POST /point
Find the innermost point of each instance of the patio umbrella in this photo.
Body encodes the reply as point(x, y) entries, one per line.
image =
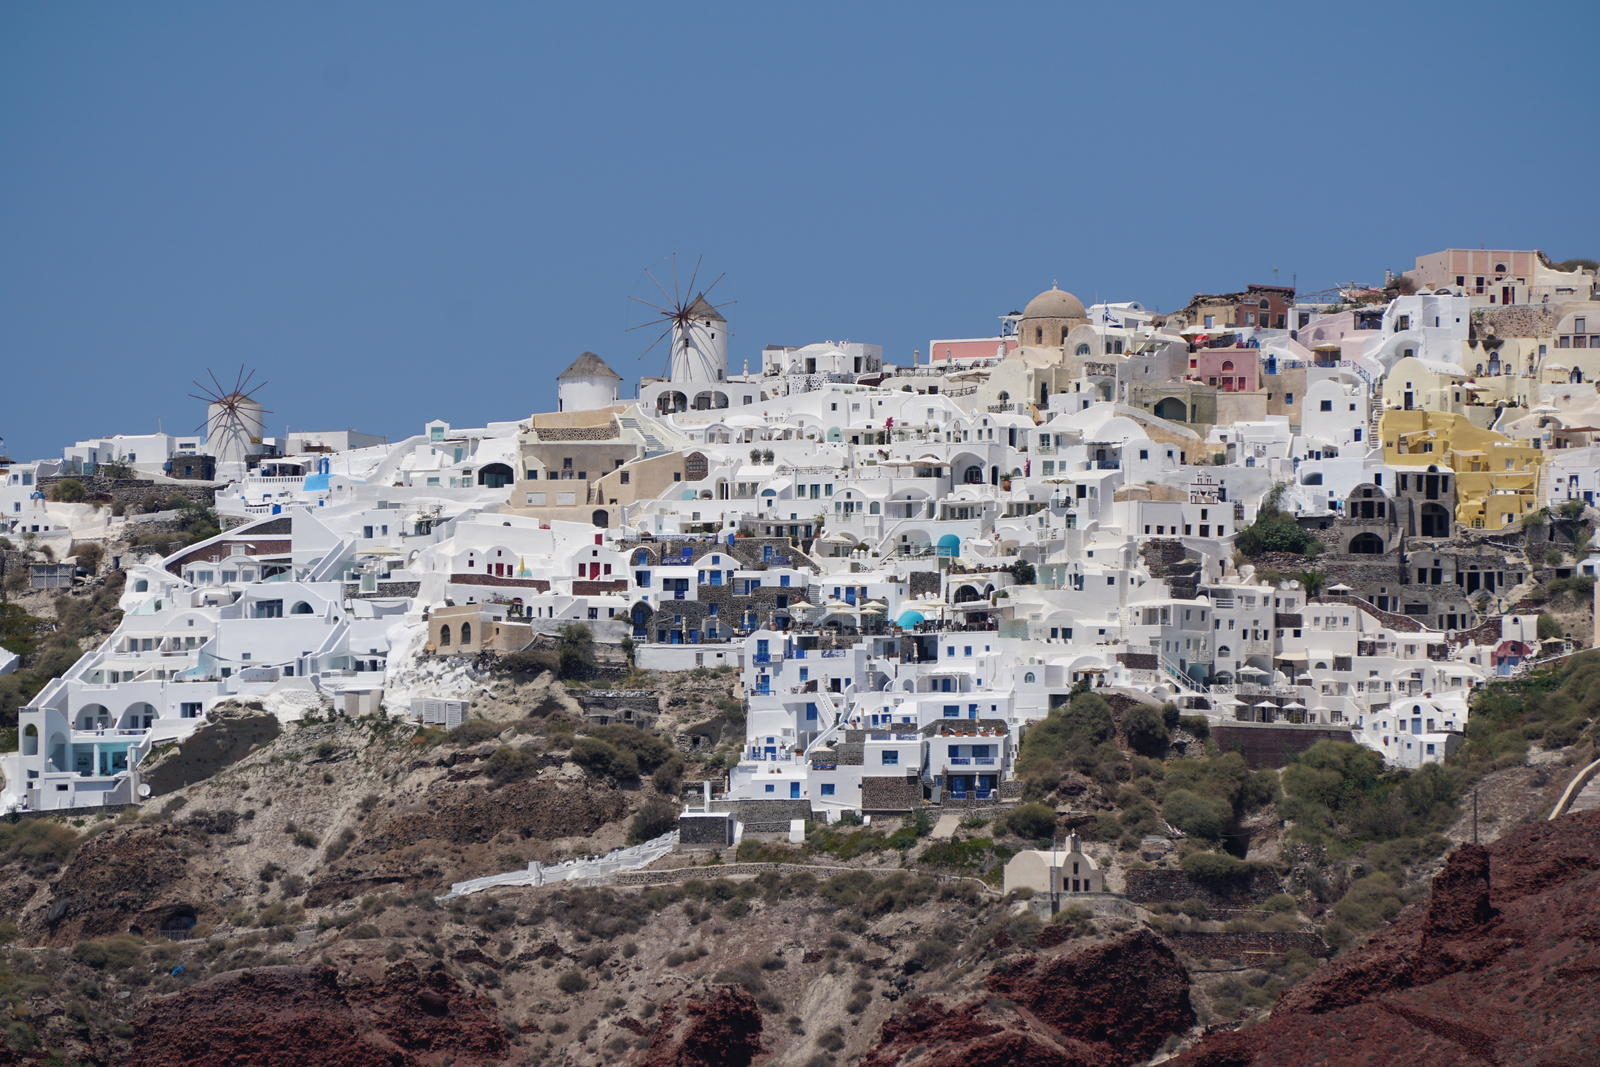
point(1252, 670)
point(1339, 587)
point(874, 605)
point(1294, 705)
point(1266, 704)
point(801, 605)
point(874, 609)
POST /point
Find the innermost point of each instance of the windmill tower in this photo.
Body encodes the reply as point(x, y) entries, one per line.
point(235, 423)
point(699, 333)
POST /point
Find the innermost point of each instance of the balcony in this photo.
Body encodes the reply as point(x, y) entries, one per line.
point(1108, 464)
point(959, 761)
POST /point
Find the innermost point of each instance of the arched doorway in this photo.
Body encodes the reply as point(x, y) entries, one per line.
point(1434, 521)
point(1172, 409)
point(496, 476)
point(601, 518)
point(1366, 544)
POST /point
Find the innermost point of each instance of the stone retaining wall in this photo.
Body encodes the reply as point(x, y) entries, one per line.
point(1227, 946)
point(1156, 886)
point(733, 870)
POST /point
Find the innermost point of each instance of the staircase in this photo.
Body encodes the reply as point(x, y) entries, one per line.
point(652, 443)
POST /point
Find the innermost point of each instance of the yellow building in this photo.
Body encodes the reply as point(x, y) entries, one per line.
point(1496, 478)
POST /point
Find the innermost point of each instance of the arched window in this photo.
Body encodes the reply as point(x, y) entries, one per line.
point(466, 633)
point(1224, 651)
point(1004, 396)
point(1227, 364)
point(300, 608)
point(874, 508)
point(1028, 677)
point(141, 586)
point(1264, 304)
point(1082, 350)
point(1367, 544)
point(1064, 331)
point(444, 635)
point(973, 476)
point(30, 741)
point(1499, 268)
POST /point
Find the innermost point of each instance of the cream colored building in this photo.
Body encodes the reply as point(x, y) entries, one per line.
point(1057, 871)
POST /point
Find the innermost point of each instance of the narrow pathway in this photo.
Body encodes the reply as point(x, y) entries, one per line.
point(1588, 799)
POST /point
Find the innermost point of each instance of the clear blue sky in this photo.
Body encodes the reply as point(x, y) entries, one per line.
point(398, 212)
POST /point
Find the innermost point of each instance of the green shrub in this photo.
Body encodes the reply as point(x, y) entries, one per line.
point(474, 731)
point(572, 982)
point(1084, 722)
point(1215, 867)
point(1370, 901)
point(69, 491)
point(506, 765)
point(648, 750)
point(113, 954)
point(654, 818)
point(1032, 821)
point(604, 760)
point(1202, 816)
point(1146, 729)
point(930, 955)
point(668, 777)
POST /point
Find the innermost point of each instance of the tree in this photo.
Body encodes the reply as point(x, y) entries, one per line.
point(1146, 729)
point(755, 455)
point(1023, 573)
point(767, 456)
point(1549, 627)
point(575, 646)
point(1312, 581)
point(117, 469)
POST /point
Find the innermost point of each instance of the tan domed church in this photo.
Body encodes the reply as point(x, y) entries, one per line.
point(1049, 317)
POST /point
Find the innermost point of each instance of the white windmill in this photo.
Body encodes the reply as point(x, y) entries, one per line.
point(234, 425)
point(699, 332)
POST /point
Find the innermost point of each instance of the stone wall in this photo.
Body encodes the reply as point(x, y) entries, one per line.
point(1272, 745)
point(890, 794)
point(1232, 946)
point(1158, 886)
point(141, 492)
point(352, 591)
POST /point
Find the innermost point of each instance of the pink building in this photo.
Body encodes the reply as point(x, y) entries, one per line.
point(970, 348)
point(1231, 370)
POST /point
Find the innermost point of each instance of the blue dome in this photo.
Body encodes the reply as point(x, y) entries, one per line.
point(949, 545)
point(316, 483)
point(910, 619)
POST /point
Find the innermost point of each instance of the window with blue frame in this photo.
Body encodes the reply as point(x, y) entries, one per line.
point(783, 579)
point(805, 674)
point(711, 610)
point(811, 713)
point(827, 789)
point(716, 577)
point(972, 711)
point(891, 758)
point(952, 711)
point(772, 788)
point(950, 650)
point(642, 579)
point(966, 650)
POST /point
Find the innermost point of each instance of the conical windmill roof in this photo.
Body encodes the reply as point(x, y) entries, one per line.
point(700, 309)
point(589, 365)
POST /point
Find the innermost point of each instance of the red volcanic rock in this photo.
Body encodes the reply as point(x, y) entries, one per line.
point(1126, 996)
point(1500, 968)
point(304, 1016)
point(1105, 1006)
point(972, 1034)
point(723, 1030)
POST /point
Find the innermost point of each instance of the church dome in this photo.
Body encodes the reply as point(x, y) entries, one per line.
point(1054, 303)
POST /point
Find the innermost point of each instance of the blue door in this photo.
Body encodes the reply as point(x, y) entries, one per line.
point(794, 790)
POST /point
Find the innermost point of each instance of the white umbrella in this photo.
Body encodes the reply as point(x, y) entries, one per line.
point(1294, 705)
point(1251, 670)
point(1266, 704)
point(1339, 587)
point(873, 609)
point(874, 605)
point(839, 605)
point(801, 605)
point(836, 539)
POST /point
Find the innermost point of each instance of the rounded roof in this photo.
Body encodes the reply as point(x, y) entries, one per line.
point(950, 541)
point(1054, 303)
point(910, 618)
